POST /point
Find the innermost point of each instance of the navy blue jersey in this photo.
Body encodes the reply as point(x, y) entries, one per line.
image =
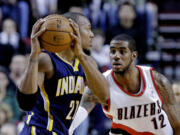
point(59, 98)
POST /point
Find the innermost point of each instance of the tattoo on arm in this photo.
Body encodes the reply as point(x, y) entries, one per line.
point(169, 103)
point(89, 100)
point(164, 87)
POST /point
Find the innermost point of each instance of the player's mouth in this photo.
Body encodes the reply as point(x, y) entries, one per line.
point(90, 44)
point(117, 65)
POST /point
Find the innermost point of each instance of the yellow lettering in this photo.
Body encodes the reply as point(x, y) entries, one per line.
point(82, 89)
point(58, 87)
point(68, 85)
point(64, 88)
point(71, 84)
point(78, 85)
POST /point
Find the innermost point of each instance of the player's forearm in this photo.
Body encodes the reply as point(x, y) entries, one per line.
point(175, 119)
point(176, 126)
point(29, 82)
point(96, 81)
point(88, 100)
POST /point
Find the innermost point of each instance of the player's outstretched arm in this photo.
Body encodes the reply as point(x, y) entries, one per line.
point(170, 105)
point(88, 102)
point(95, 80)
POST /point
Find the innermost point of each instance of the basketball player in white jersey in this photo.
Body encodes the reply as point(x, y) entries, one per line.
point(141, 100)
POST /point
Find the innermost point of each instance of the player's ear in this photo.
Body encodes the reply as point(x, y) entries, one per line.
point(134, 54)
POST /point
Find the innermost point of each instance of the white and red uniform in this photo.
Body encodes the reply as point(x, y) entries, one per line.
point(140, 113)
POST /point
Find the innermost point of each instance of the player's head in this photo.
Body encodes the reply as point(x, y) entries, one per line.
point(18, 64)
point(84, 28)
point(126, 14)
point(122, 53)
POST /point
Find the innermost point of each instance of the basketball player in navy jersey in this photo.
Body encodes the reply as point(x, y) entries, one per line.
point(53, 83)
point(141, 100)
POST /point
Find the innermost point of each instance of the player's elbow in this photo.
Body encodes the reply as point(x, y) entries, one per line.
point(26, 101)
point(104, 99)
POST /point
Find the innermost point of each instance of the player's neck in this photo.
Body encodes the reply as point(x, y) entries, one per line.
point(68, 55)
point(130, 80)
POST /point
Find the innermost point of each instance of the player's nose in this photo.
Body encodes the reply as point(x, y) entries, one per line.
point(117, 55)
point(91, 34)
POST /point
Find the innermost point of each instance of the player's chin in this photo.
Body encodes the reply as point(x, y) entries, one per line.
point(118, 69)
point(88, 47)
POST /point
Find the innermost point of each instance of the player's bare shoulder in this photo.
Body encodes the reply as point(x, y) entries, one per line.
point(164, 87)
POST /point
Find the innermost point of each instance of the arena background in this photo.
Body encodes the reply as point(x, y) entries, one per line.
point(155, 25)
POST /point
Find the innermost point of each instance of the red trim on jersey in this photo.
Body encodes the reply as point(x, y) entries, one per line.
point(157, 90)
point(109, 102)
point(129, 130)
point(135, 95)
point(109, 116)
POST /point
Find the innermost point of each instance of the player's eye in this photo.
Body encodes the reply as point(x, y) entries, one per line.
point(122, 52)
point(112, 51)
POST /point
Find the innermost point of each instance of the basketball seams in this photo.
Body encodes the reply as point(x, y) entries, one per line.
point(57, 31)
point(53, 44)
point(57, 35)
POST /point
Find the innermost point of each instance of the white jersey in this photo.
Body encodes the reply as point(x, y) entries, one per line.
point(137, 114)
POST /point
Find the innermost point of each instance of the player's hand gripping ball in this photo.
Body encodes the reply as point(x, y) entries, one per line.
point(57, 35)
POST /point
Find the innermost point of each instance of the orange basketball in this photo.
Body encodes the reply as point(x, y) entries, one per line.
point(57, 35)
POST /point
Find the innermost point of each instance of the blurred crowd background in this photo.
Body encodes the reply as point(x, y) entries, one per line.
point(155, 26)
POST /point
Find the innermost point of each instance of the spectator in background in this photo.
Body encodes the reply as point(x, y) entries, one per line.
point(9, 34)
point(5, 113)
point(130, 24)
point(18, 10)
point(100, 51)
point(17, 67)
point(9, 42)
point(8, 129)
point(65, 5)
point(41, 8)
point(152, 22)
point(7, 94)
point(96, 14)
point(176, 89)
point(76, 9)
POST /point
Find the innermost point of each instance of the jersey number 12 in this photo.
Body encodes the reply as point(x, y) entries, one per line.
point(161, 120)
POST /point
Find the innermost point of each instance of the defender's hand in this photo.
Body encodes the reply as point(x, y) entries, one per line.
point(77, 47)
point(36, 32)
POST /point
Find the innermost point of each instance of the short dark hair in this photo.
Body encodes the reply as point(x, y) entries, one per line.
point(129, 39)
point(74, 16)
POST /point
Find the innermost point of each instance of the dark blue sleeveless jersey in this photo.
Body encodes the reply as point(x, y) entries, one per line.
point(59, 98)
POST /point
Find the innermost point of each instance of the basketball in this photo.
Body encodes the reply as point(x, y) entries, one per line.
point(57, 35)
